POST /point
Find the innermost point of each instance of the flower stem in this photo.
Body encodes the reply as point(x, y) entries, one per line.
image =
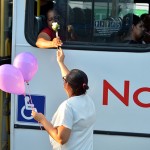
point(57, 34)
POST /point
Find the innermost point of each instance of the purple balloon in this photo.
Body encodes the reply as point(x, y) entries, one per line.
point(27, 64)
point(11, 80)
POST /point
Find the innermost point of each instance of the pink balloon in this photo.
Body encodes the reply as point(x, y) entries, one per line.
point(11, 80)
point(27, 64)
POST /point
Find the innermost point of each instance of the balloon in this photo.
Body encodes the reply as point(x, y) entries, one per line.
point(27, 64)
point(11, 80)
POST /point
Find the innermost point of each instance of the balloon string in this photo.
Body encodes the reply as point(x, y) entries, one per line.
point(32, 101)
point(29, 93)
point(57, 34)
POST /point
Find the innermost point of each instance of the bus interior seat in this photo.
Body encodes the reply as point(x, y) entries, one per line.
point(39, 24)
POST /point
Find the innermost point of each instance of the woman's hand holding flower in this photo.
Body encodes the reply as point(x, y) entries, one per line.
point(57, 42)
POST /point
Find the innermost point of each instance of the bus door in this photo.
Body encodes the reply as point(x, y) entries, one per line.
point(5, 58)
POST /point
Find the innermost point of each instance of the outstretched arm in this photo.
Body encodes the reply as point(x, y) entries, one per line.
point(44, 41)
point(60, 59)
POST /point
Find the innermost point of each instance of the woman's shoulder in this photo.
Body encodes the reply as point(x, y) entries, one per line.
point(49, 31)
point(79, 99)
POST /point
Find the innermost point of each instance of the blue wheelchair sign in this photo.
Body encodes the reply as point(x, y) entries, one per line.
point(27, 103)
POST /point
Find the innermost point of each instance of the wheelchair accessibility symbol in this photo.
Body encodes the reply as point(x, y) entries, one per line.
point(28, 106)
point(27, 103)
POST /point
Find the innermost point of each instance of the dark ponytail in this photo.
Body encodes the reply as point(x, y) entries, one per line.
point(78, 81)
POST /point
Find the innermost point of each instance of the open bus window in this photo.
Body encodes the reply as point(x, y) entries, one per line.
point(84, 22)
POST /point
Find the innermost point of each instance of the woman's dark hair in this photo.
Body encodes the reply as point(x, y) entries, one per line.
point(49, 10)
point(78, 81)
point(146, 21)
point(129, 20)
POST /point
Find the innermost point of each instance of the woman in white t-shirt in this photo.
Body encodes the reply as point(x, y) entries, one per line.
point(71, 127)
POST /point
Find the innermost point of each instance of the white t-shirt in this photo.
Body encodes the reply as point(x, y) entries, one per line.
point(78, 114)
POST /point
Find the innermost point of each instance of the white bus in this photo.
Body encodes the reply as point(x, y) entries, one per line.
point(119, 73)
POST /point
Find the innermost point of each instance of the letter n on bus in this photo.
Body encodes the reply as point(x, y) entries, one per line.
point(108, 87)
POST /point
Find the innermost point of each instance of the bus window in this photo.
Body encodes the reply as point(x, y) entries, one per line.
point(81, 19)
point(92, 22)
point(108, 19)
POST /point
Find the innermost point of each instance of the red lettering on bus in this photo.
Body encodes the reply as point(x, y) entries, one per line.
point(136, 99)
point(107, 86)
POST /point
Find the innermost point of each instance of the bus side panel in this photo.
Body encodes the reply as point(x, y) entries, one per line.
point(116, 69)
point(107, 142)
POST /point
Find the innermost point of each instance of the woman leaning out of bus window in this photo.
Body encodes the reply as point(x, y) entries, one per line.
point(72, 125)
point(47, 37)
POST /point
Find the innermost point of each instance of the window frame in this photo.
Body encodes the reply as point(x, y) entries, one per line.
point(117, 47)
point(29, 23)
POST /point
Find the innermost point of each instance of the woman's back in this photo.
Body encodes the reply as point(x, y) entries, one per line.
point(79, 116)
